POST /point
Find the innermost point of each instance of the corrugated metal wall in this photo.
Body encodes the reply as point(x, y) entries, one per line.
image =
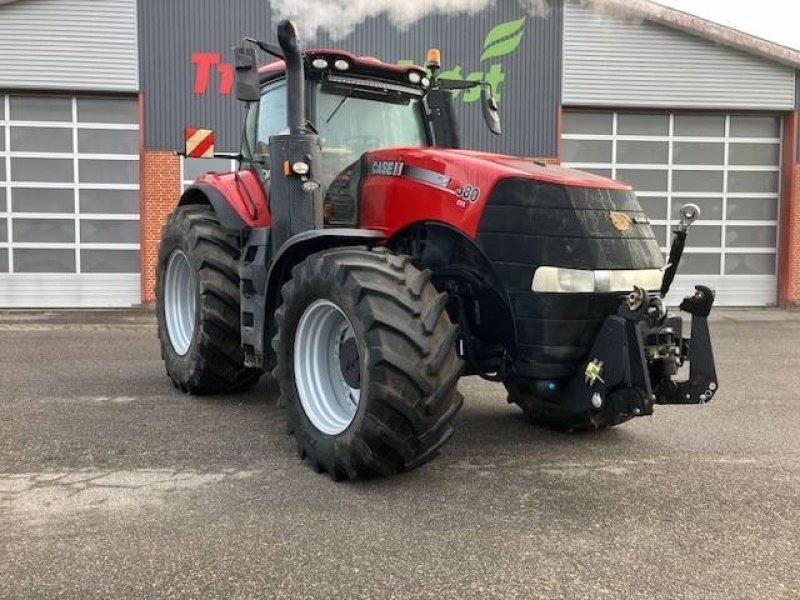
point(530, 90)
point(170, 32)
point(611, 61)
point(69, 44)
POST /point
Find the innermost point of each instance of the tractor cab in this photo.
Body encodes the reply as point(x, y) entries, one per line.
point(355, 104)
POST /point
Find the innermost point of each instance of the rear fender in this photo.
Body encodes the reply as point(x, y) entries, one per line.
point(238, 198)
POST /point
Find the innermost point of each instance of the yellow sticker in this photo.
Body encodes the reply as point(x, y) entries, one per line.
point(620, 220)
point(593, 371)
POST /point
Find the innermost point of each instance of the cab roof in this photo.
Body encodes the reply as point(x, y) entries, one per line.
point(365, 66)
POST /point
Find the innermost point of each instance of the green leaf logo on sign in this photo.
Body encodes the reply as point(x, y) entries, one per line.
point(503, 39)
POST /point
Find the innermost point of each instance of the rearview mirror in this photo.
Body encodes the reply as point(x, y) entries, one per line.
point(247, 84)
point(490, 111)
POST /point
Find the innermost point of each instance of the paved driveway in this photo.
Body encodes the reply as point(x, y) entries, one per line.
point(112, 484)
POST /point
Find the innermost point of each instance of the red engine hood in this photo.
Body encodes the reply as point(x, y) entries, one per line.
point(498, 165)
point(402, 186)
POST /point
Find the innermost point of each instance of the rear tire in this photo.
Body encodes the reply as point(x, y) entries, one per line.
point(552, 416)
point(396, 409)
point(198, 263)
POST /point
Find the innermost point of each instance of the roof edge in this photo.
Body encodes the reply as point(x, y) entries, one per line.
point(716, 32)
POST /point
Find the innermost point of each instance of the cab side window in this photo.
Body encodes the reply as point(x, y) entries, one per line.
point(271, 114)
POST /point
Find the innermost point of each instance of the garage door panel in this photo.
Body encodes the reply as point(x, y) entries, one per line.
point(754, 182)
point(639, 152)
point(710, 208)
point(755, 126)
point(593, 123)
point(588, 151)
point(654, 207)
point(48, 231)
point(767, 155)
point(699, 125)
point(727, 164)
point(110, 261)
point(108, 171)
point(645, 180)
point(42, 170)
point(40, 139)
point(751, 236)
point(104, 232)
point(30, 260)
point(107, 110)
point(100, 141)
point(755, 209)
point(69, 202)
point(40, 108)
point(43, 200)
point(123, 202)
point(698, 153)
point(749, 264)
point(642, 124)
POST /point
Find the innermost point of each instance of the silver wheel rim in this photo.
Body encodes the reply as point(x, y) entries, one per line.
point(323, 335)
point(179, 301)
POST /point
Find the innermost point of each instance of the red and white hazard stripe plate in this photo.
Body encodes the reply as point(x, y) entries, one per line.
point(199, 142)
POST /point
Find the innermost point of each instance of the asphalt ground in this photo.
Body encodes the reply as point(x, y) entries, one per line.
point(113, 484)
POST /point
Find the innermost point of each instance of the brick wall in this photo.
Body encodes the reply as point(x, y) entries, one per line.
point(789, 274)
point(160, 185)
point(791, 245)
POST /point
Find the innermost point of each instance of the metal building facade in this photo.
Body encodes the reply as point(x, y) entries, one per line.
point(69, 154)
point(683, 119)
point(185, 55)
point(69, 44)
point(618, 61)
point(185, 51)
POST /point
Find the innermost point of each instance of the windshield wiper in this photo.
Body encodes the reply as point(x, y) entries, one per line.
point(338, 106)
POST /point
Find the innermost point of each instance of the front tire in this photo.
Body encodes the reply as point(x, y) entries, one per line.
point(197, 304)
point(366, 363)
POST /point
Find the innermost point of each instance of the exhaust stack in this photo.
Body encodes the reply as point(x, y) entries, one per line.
point(295, 196)
point(295, 78)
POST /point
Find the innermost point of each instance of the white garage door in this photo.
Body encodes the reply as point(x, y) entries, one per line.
point(727, 164)
point(69, 201)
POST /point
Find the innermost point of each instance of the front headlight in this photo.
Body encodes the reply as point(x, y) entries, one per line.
point(582, 281)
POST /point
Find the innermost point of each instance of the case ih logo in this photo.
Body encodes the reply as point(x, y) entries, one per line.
point(386, 167)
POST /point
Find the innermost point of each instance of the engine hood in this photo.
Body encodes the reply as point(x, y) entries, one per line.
point(495, 165)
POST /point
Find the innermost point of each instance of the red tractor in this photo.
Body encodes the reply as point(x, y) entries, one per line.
point(367, 262)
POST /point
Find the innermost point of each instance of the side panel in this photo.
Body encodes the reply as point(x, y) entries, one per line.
point(69, 45)
point(244, 193)
point(613, 61)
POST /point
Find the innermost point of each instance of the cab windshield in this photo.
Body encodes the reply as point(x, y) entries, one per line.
point(351, 121)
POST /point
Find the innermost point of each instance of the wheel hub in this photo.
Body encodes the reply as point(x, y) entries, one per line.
point(349, 362)
point(327, 367)
point(179, 301)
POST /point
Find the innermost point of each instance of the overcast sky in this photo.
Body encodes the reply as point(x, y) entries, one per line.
point(774, 20)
